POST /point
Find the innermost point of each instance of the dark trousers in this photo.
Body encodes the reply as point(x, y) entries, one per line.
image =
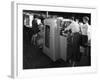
point(74, 47)
point(84, 40)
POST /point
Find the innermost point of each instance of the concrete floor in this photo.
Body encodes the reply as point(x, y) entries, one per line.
point(34, 58)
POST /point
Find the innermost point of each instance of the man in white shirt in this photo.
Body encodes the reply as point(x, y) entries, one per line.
point(74, 26)
point(85, 31)
point(75, 42)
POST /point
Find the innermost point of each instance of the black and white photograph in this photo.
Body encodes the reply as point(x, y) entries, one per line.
point(54, 39)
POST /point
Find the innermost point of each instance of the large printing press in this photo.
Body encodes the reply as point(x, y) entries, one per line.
point(55, 38)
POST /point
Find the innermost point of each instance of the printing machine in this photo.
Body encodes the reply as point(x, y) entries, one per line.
point(55, 43)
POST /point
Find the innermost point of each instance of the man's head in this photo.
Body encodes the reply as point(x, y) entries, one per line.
point(72, 18)
point(85, 19)
point(77, 20)
point(35, 16)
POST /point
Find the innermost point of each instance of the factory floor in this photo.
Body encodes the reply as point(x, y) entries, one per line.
point(34, 58)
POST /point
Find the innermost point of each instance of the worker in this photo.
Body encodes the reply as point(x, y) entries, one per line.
point(85, 31)
point(74, 43)
point(35, 29)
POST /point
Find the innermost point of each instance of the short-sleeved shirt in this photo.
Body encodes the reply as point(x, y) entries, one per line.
point(86, 30)
point(74, 26)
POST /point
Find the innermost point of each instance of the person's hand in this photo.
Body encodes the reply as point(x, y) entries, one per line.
point(89, 42)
